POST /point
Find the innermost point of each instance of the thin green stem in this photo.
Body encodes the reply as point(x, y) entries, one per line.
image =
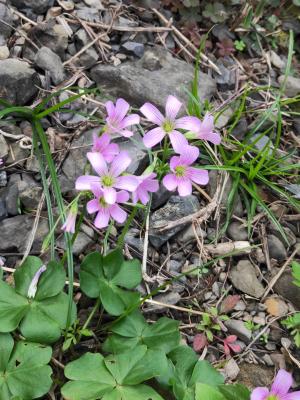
point(125, 229)
point(90, 317)
point(56, 187)
point(105, 241)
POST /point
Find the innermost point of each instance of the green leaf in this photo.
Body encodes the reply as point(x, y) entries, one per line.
point(13, 307)
point(134, 330)
point(205, 373)
point(235, 392)
point(42, 318)
point(206, 392)
point(296, 273)
point(105, 277)
point(114, 377)
point(26, 374)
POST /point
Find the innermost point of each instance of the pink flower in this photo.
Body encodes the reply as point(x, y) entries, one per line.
point(35, 280)
point(69, 225)
point(182, 174)
point(116, 120)
point(103, 146)
point(167, 125)
point(109, 176)
point(104, 210)
point(1, 262)
point(205, 130)
point(147, 183)
point(229, 345)
point(279, 390)
point(1, 161)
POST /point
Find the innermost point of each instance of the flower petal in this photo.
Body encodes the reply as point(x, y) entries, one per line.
point(110, 195)
point(110, 108)
point(110, 152)
point(127, 182)
point(282, 383)
point(102, 218)
point(84, 182)
point(199, 176)
point(151, 185)
point(178, 141)
point(143, 195)
point(92, 206)
point(100, 142)
point(120, 163)
point(122, 196)
point(212, 137)
point(173, 106)
point(174, 162)
point(189, 154)
point(184, 187)
point(117, 213)
point(154, 136)
point(98, 163)
point(132, 119)
point(122, 108)
point(170, 182)
point(188, 123)
point(207, 124)
point(152, 113)
point(260, 393)
point(97, 190)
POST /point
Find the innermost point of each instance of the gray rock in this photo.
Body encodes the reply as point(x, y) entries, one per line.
point(276, 248)
point(237, 231)
point(227, 79)
point(6, 16)
point(286, 288)
point(3, 147)
point(138, 154)
point(12, 198)
point(241, 129)
point(29, 195)
point(243, 277)
point(76, 161)
point(276, 60)
point(292, 87)
point(15, 233)
point(3, 178)
point(237, 327)
point(89, 58)
point(4, 52)
point(160, 197)
point(176, 208)
point(47, 60)
point(51, 35)
point(174, 266)
point(37, 6)
point(81, 39)
point(3, 210)
point(134, 48)
point(81, 243)
point(88, 14)
point(151, 78)
point(133, 239)
point(166, 298)
point(188, 234)
point(238, 209)
point(18, 82)
point(262, 143)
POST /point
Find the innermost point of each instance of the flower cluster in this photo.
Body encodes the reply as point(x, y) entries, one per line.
point(111, 186)
point(279, 390)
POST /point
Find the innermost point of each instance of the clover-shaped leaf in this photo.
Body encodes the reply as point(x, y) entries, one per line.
point(37, 304)
point(215, 12)
point(134, 330)
point(105, 277)
point(24, 373)
point(116, 377)
point(188, 372)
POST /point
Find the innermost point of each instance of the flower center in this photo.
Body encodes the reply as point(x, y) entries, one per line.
point(272, 397)
point(180, 171)
point(107, 181)
point(168, 126)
